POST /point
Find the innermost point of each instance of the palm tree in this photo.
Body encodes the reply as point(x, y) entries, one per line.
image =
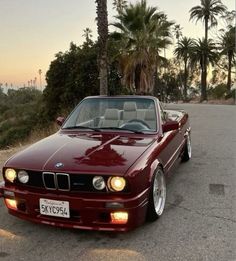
point(183, 51)
point(207, 12)
point(227, 46)
point(40, 80)
point(229, 17)
point(204, 53)
point(143, 32)
point(119, 5)
point(178, 32)
point(102, 25)
point(87, 35)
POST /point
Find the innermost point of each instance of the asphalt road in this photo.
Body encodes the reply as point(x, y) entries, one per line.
point(199, 222)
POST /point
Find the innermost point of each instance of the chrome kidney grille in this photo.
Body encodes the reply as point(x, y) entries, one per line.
point(56, 181)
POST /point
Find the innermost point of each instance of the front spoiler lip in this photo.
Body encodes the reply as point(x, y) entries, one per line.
point(95, 227)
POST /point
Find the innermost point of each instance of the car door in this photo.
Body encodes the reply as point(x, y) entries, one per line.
point(170, 144)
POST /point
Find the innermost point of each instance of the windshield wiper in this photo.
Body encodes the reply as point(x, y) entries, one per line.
point(81, 127)
point(124, 129)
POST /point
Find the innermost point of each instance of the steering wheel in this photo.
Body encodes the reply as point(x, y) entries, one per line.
point(140, 121)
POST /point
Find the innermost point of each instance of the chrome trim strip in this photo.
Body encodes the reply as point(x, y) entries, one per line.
point(55, 183)
point(187, 132)
point(68, 178)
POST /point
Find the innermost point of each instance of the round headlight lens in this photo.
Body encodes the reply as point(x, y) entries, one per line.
point(10, 175)
point(116, 183)
point(99, 183)
point(23, 176)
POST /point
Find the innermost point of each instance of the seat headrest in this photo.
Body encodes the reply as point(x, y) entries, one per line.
point(111, 114)
point(130, 106)
point(150, 115)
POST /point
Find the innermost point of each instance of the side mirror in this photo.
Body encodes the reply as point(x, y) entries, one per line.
point(60, 120)
point(170, 125)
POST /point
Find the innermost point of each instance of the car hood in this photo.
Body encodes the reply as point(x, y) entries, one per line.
point(82, 153)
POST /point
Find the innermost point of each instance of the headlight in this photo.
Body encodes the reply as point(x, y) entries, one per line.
point(116, 183)
point(23, 176)
point(99, 183)
point(10, 175)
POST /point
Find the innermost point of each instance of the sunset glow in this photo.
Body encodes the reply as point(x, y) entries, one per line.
point(32, 32)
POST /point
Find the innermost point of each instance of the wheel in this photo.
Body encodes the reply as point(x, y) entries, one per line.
point(157, 197)
point(187, 149)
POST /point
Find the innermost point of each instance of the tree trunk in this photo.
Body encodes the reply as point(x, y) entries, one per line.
point(137, 75)
point(230, 57)
point(204, 67)
point(155, 87)
point(203, 84)
point(185, 80)
point(206, 28)
point(102, 24)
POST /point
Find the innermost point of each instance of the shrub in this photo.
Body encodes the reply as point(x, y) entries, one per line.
point(19, 115)
point(219, 92)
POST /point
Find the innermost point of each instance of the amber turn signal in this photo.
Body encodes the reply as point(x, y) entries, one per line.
point(119, 218)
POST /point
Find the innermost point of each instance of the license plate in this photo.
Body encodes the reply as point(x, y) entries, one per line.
point(54, 208)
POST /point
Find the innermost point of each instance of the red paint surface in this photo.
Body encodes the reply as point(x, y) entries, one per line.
point(134, 156)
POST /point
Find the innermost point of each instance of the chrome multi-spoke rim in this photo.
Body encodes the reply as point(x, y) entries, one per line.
point(159, 193)
point(189, 146)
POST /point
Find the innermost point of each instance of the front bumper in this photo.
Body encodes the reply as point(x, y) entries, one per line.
point(88, 211)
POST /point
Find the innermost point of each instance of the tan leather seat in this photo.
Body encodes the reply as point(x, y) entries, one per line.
point(111, 118)
point(130, 111)
point(150, 119)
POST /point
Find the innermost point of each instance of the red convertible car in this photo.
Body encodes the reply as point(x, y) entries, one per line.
point(105, 169)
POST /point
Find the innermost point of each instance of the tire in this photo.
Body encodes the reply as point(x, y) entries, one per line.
point(187, 149)
point(157, 196)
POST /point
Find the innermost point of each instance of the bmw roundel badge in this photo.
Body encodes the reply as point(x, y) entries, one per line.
point(59, 165)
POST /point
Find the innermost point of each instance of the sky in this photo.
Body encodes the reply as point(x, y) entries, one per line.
point(32, 32)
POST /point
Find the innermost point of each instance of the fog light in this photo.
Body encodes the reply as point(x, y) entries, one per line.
point(10, 175)
point(119, 217)
point(11, 203)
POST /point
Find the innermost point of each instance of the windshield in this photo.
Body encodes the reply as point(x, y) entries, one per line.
point(134, 114)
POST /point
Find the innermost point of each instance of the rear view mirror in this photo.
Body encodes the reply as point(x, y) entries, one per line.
point(60, 120)
point(170, 125)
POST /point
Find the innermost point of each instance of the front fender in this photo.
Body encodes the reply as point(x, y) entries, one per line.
point(153, 168)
